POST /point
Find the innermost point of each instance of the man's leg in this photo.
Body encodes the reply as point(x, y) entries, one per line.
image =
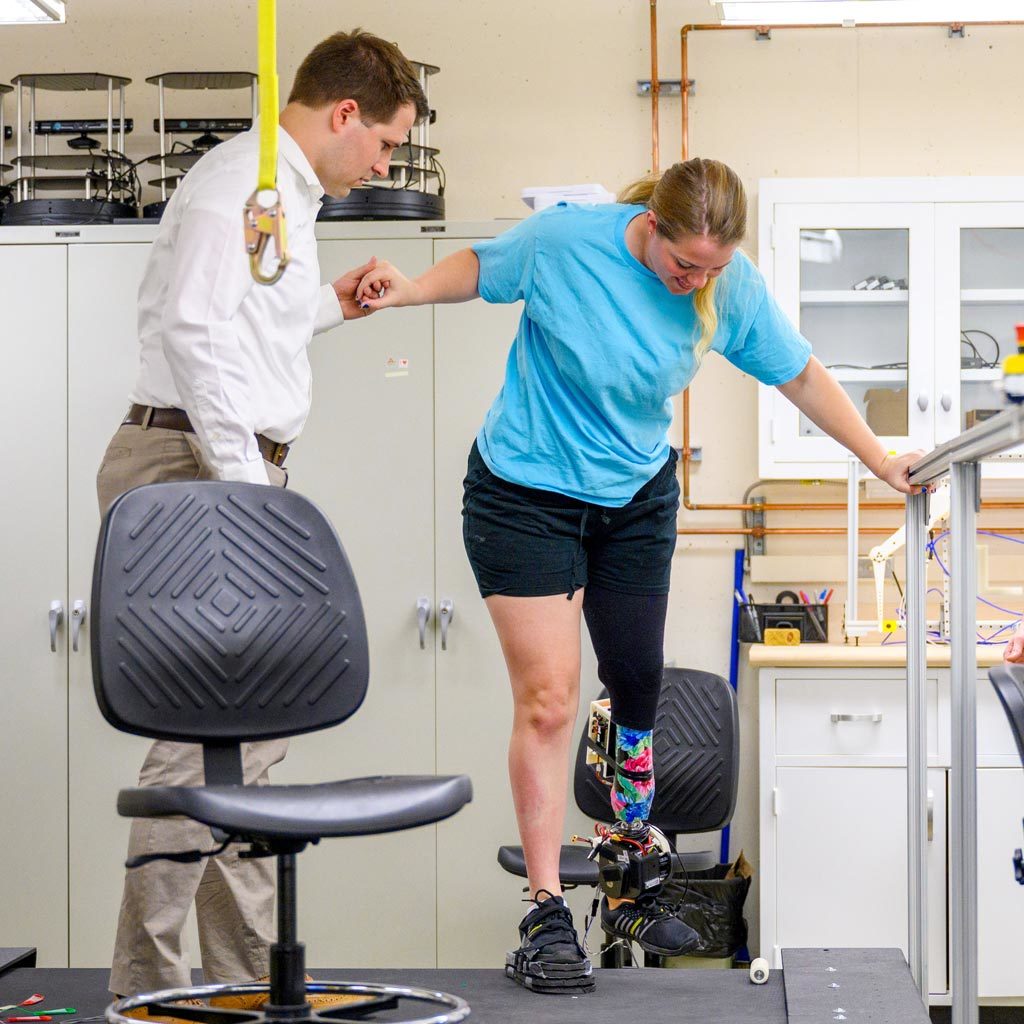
point(157, 896)
point(235, 901)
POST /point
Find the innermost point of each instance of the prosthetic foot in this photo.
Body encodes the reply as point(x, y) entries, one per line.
point(550, 958)
point(635, 861)
point(653, 926)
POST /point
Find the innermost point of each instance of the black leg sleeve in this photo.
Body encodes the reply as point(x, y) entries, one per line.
point(628, 633)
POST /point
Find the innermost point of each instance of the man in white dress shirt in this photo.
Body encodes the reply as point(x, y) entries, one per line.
point(223, 389)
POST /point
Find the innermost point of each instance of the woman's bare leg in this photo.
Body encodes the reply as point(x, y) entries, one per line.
point(540, 638)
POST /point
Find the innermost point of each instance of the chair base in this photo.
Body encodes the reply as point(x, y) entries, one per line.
point(442, 1007)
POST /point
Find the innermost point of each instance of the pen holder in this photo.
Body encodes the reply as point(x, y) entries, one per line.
point(810, 619)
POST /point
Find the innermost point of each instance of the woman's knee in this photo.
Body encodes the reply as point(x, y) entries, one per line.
point(547, 710)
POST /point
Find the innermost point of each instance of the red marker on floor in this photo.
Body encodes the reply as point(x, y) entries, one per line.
point(23, 1020)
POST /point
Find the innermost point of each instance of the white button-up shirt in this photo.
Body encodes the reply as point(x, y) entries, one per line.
point(229, 351)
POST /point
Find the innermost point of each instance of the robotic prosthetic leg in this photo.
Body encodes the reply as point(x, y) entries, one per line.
point(634, 857)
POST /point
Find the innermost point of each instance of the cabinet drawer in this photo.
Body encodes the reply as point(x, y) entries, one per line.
point(865, 717)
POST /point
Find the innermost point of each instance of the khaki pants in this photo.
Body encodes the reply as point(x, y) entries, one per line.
point(234, 898)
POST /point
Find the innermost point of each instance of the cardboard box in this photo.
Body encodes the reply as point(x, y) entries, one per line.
point(885, 409)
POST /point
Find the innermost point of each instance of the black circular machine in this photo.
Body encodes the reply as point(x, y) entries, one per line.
point(66, 211)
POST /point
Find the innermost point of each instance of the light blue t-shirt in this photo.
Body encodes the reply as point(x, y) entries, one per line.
point(602, 347)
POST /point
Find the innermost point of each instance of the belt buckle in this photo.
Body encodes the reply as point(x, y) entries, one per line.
point(278, 453)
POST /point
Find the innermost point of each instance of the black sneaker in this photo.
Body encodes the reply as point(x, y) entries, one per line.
point(653, 926)
point(550, 958)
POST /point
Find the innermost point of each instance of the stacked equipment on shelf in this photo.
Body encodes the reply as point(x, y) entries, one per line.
point(108, 187)
point(5, 192)
point(180, 160)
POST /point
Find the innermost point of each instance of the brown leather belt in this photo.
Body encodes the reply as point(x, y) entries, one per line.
point(146, 416)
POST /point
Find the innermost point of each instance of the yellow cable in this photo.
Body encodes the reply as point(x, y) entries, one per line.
point(267, 67)
point(263, 218)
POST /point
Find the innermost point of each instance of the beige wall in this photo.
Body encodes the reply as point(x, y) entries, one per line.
point(538, 93)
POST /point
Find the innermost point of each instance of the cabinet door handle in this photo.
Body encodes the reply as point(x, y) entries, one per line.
point(77, 620)
point(931, 815)
point(447, 613)
point(56, 618)
point(922, 401)
point(423, 617)
point(946, 401)
point(876, 717)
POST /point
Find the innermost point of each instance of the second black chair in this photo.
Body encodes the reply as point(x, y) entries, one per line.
point(696, 771)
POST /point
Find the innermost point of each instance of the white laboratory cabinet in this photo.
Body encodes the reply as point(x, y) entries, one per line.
point(909, 290)
point(833, 817)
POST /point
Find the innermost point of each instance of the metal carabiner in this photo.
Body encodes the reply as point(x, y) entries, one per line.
point(262, 223)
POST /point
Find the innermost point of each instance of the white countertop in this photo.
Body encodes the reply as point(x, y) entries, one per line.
point(865, 655)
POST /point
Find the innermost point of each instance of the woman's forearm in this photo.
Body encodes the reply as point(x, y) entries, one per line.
point(455, 279)
point(820, 397)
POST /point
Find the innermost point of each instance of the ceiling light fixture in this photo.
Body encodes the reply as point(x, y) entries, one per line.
point(32, 12)
point(864, 12)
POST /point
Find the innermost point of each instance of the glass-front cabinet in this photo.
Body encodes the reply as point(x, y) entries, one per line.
point(980, 302)
point(909, 300)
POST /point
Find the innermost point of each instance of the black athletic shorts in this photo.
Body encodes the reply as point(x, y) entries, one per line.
point(524, 542)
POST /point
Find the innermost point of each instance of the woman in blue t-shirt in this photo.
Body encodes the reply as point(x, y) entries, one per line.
point(571, 493)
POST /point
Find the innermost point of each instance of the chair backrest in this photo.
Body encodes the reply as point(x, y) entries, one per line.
point(696, 757)
point(224, 612)
point(1009, 683)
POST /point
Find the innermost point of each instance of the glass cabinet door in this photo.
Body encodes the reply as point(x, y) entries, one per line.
point(858, 283)
point(980, 292)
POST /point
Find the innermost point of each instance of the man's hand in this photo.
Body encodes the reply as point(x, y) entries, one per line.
point(895, 470)
point(345, 289)
point(1014, 651)
point(385, 286)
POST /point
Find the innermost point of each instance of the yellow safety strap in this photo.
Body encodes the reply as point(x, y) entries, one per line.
point(263, 215)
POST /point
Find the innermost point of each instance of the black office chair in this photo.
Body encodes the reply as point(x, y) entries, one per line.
point(696, 770)
point(224, 613)
point(1009, 683)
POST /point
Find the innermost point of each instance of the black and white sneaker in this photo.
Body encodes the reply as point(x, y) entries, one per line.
point(550, 958)
point(653, 926)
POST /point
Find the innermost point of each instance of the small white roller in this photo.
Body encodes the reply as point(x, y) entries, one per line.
point(759, 971)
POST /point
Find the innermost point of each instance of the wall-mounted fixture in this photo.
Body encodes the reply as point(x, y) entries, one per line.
point(862, 12)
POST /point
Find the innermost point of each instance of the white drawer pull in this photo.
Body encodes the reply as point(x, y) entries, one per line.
point(876, 717)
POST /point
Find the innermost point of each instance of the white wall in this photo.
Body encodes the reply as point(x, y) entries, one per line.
point(535, 93)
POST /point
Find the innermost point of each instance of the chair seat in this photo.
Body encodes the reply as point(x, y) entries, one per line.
point(573, 866)
point(575, 869)
point(353, 807)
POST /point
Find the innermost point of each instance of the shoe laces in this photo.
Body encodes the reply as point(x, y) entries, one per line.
point(647, 907)
point(553, 918)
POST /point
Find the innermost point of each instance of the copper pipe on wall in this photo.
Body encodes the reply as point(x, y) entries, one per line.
point(655, 88)
point(785, 506)
point(800, 531)
point(687, 451)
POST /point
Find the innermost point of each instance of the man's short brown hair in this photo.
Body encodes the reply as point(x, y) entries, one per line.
point(363, 67)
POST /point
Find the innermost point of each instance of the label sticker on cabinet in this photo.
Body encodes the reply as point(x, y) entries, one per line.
point(396, 367)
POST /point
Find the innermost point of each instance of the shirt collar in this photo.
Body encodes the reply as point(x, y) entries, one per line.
point(297, 160)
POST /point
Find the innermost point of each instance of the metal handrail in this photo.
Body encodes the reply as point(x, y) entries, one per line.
point(959, 458)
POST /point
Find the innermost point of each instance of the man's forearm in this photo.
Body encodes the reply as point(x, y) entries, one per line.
point(820, 397)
